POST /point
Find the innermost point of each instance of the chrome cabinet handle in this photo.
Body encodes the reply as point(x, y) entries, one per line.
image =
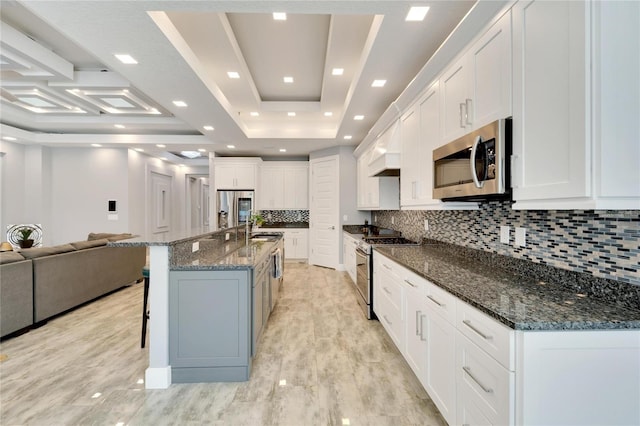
point(424, 339)
point(434, 300)
point(411, 284)
point(468, 371)
point(468, 324)
point(387, 320)
point(386, 266)
point(467, 107)
point(386, 290)
point(417, 320)
point(332, 227)
point(461, 119)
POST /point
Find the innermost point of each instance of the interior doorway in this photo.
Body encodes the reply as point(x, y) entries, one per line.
point(324, 215)
point(197, 201)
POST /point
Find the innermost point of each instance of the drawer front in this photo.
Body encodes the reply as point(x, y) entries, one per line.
point(484, 387)
point(391, 320)
point(441, 302)
point(495, 339)
point(391, 290)
point(389, 265)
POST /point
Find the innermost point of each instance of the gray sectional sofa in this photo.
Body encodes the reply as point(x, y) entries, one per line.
point(38, 283)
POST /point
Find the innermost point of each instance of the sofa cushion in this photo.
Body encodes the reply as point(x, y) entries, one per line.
point(10, 257)
point(109, 236)
point(80, 245)
point(33, 253)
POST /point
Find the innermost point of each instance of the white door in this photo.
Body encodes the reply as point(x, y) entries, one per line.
point(205, 204)
point(159, 212)
point(324, 214)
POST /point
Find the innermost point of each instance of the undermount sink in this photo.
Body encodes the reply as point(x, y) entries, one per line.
point(265, 237)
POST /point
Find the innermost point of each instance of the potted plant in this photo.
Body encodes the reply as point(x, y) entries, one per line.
point(25, 241)
point(257, 220)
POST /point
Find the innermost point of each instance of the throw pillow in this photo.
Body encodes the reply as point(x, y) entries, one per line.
point(33, 253)
point(80, 245)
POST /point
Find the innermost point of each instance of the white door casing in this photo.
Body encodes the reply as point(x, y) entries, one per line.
point(324, 217)
point(159, 212)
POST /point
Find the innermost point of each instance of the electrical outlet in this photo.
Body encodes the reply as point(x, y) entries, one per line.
point(375, 217)
point(504, 234)
point(393, 220)
point(195, 246)
point(426, 224)
point(521, 237)
point(226, 236)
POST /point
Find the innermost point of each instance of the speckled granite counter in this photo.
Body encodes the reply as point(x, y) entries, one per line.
point(271, 225)
point(520, 302)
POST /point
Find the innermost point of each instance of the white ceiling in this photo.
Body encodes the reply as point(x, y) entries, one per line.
point(184, 49)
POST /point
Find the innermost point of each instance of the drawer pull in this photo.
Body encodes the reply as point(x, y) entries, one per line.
point(386, 266)
point(387, 320)
point(468, 324)
point(417, 322)
point(424, 339)
point(410, 283)
point(435, 301)
point(468, 371)
point(386, 290)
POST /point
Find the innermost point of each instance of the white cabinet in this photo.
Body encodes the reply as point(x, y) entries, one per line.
point(236, 173)
point(420, 136)
point(349, 245)
point(296, 242)
point(415, 334)
point(575, 123)
point(284, 185)
point(388, 298)
point(476, 88)
point(375, 193)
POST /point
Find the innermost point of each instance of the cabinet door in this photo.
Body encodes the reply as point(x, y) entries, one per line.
point(271, 188)
point(245, 176)
point(296, 188)
point(257, 313)
point(416, 337)
point(454, 95)
point(302, 244)
point(429, 140)
point(550, 107)
point(490, 62)
point(410, 161)
point(289, 244)
point(225, 176)
point(440, 364)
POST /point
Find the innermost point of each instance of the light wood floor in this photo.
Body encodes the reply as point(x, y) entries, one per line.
point(87, 368)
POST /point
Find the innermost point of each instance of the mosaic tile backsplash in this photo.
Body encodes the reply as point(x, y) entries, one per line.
point(285, 215)
point(604, 243)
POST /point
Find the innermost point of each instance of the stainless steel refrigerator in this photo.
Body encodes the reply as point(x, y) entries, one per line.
point(233, 208)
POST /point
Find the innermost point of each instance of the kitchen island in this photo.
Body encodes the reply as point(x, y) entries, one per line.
point(203, 307)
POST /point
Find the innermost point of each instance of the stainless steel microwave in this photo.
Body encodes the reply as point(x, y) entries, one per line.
point(475, 166)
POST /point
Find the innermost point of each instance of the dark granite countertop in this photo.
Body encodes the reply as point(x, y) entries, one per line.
point(218, 255)
point(518, 301)
point(269, 225)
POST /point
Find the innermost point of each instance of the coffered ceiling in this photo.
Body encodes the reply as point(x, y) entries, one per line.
point(227, 61)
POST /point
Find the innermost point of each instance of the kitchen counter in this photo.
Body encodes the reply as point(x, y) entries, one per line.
point(271, 225)
point(518, 301)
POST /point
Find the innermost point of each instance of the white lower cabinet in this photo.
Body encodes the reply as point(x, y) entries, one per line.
point(478, 371)
point(349, 245)
point(296, 242)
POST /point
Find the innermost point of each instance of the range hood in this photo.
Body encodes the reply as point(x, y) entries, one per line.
point(385, 157)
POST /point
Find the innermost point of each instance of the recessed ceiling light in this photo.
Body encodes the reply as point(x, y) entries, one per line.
point(160, 145)
point(126, 59)
point(283, 150)
point(231, 146)
point(337, 71)
point(9, 138)
point(202, 150)
point(347, 137)
point(208, 128)
point(254, 113)
point(233, 74)
point(163, 158)
point(288, 79)
point(180, 104)
point(417, 13)
point(118, 126)
point(358, 117)
point(190, 154)
point(291, 114)
point(328, 114)
point(378, 83)
point(96, 145)
point(279, 16)
point(139, 149)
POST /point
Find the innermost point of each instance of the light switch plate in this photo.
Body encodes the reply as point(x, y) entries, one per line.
point(504, 234)
point(521, 237)
point(195, 246)
point(426, 224)
point(393, 220)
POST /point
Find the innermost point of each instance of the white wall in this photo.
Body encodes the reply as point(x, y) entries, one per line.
point(12, 184)
point(82, 182)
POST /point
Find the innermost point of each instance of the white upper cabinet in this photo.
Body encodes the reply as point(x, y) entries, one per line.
point(236, 173)
point(420, 136)
point(476, 88)
point(576, 105)
point(284, 185)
